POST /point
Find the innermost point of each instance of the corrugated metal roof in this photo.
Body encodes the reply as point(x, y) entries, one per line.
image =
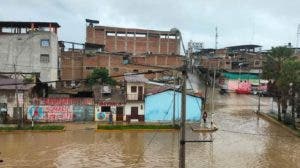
point(9, 84)
point(135, 78)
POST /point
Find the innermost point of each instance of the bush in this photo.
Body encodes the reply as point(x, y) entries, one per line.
point(130, 127)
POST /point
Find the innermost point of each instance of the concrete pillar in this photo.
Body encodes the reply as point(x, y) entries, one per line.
point(72, 64)
point(104, 35)
point(168, 43)
point(147, 45)
point(115, 48)
point(126, 40)
point(166, 60)
point(94, 35)
point(109, 65)
point(134, 42)
point(159, 43)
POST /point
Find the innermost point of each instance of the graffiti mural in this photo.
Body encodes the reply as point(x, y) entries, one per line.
point(58, 113)
point(50, 113)
point(83, 113)
point(35, 113)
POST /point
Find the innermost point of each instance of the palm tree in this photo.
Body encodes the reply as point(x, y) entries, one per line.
point(273, 70)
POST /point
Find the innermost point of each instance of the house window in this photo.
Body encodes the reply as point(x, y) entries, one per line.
point(90, 68)
point(105, 109)
point(110, 33)
point(44, 58)
point(45, 42)
point(133, 89)
point(115, 69)
point(257, 63)
point(125, 60)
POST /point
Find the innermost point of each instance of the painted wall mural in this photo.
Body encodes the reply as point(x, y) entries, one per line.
point(50, 113)
point(61, 109)
point(35, 113)
point(83, 113)
point(69, 109)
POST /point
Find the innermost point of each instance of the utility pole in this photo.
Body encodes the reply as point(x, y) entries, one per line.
point(183, 116)
point(174, 96)
point(259, 93)
point(17, 97)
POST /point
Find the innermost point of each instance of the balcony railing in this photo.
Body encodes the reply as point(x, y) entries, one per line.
point(138, 97)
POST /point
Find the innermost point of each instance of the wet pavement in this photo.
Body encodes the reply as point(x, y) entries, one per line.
point(243, 140)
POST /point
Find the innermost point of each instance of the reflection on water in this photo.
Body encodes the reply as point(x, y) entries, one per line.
point(243, 140)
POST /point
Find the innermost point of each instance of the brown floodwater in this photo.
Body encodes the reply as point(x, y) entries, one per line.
point(243, 140)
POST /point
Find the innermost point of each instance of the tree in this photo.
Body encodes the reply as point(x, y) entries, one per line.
point(288, 82)
point(276, 68)
point(100, 75)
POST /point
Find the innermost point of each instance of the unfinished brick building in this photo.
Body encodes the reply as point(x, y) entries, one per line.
point(76, 65)
point(135, 41)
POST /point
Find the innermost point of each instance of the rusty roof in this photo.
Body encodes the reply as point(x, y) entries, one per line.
point(10, 84)
point(27, 24)
point(135, 78)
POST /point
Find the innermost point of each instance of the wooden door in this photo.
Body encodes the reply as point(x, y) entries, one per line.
point(120, 114)
point(134, 113)
point(140, 93)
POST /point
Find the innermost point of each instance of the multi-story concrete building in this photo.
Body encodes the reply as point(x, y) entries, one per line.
point(135, 41)
point(30, 47)
point(135, 97)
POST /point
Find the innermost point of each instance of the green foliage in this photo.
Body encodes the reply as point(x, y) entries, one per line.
point(290, 73)
point(275, 60)
point(139, 127)
point(283, 69)
point(100, 75)
point(36, 127)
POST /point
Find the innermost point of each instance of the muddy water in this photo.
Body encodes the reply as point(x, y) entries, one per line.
point(243, 140)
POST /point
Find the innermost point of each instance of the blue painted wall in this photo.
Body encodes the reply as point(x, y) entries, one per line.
point(159, 107)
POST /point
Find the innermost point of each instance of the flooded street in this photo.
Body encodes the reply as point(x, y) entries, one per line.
point(243, 140)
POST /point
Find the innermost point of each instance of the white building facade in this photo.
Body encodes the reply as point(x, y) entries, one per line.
point(31, 48)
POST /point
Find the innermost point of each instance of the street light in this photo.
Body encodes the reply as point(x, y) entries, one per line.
point(183, 106)
point(177, 32)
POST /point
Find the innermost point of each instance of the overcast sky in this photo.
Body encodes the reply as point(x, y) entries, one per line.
point(268, 23)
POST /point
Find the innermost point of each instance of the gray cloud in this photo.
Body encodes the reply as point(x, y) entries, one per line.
point(267, 23)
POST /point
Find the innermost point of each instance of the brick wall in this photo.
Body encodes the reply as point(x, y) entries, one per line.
point(76, 65)
point(134, 41)
point(71, 65)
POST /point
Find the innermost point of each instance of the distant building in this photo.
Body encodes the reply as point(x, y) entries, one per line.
point(135, 41)
point(245, 57)
point(31, 46)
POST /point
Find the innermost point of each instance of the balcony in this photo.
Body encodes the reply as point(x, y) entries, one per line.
point(135, 97)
